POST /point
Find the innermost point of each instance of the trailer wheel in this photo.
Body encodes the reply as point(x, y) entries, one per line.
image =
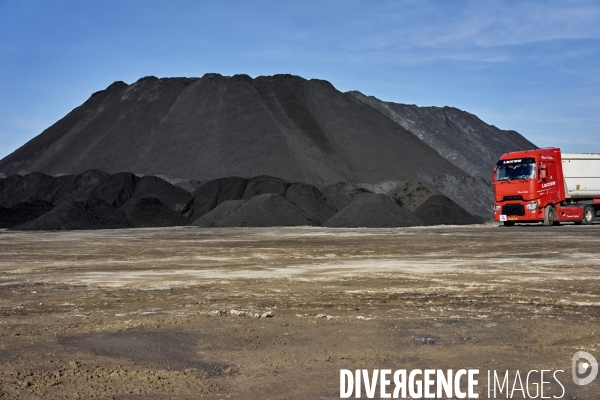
point(509, 223)
point(589, 215)
point(549, 215)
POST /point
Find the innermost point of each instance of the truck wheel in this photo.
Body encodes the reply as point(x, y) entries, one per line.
point(509, 223)
point(589, 215)
point(549, 215)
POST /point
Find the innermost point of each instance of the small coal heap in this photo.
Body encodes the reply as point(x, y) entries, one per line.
point(440, 210)
point(124, 200)
point(23, 212)
point(150, 212)
point(372, 211)
point(79, 214)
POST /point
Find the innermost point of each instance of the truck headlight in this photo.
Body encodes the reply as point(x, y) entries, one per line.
point(496, 207)
point(531, 206)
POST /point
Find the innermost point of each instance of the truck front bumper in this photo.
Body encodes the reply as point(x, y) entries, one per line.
point(518, 212)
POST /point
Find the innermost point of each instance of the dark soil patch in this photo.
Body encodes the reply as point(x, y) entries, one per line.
point(159, 348)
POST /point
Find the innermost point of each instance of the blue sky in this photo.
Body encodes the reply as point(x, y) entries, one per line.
point(531, 66)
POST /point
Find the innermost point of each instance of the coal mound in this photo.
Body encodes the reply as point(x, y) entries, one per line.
point(215, 126)
point(265, 184)
point(473, 193)
point(114, 189)
point(150, 212)
point(311, 201)
point(189, 185)
point(411, 194)
point(18, 189)
point(79, 214)
point(151, 186)
point(267, 209)
point(212, 218)
point(372, 211)
point(440, 210)
point(212, 193)
point(342, 193)
point(24, 212)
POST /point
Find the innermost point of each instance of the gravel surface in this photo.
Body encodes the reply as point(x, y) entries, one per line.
point(256, 313)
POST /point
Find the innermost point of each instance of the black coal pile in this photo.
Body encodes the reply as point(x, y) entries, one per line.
point(24, 212)
point(189, 185)
point(473, 193)
point(440, 210)
point(342, 193)
point(310, 201)
point(150, 212)
point(265, 184)
point(212, 193)
point(372, 211)
point(212, 218)
point(206, 128)
point(297, 204)
point(114, 189)
point(268, 209)
point(151, 186)
point(79, 214)
point(17, 189)
point(411, 194)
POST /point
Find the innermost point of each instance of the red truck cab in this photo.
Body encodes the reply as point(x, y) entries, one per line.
point(529, 187)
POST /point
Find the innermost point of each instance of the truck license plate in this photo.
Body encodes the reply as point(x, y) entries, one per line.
point(503, 217)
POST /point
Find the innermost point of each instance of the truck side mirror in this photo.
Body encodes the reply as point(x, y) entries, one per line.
point(494, 174)
point(543, 173)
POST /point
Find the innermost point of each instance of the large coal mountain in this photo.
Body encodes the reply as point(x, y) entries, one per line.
point(216, 126)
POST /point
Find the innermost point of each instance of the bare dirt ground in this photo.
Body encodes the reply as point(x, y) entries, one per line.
point(275, 313)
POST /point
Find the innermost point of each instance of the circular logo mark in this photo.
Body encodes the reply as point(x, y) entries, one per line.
point(582, 367)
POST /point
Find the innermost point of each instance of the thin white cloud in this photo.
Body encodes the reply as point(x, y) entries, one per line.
point(411, 32)
point(482, 23)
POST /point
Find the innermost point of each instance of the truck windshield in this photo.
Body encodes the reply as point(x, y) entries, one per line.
point(508, 172)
